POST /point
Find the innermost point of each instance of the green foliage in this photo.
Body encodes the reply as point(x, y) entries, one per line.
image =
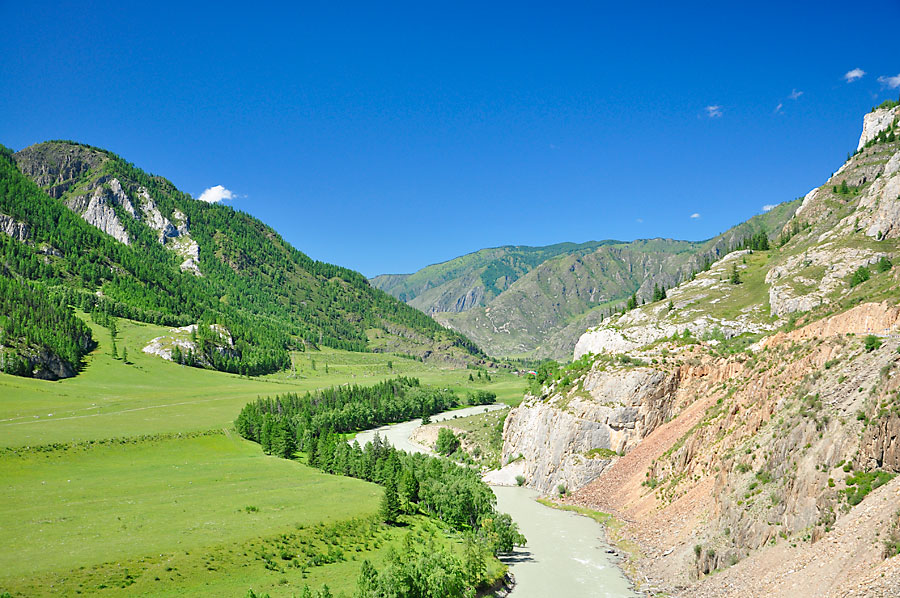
point(31, 320)
point(447, 442)
point(861, 275)
point(884, 265)
point(269, 296)
point(390, 503)
point(520, 480)
point(659, 293)
point(632, 302)
point(871, 343)
point(735, 277)
point(758, 241)
point(861, 483)
point(341, 409)
point(420, 569)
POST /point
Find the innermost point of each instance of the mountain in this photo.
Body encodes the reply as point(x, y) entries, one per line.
point(747, 425)
point(545, 297)
point(473, 279)
point(84, 227)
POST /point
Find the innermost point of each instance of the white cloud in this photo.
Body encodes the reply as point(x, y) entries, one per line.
point(795, 94)
point(851, 76)
point(216, 194)
point(695, 215)
point(778, 108)
point(768, 207)
point(892, 82)
point(639, 220)
point(714, 111)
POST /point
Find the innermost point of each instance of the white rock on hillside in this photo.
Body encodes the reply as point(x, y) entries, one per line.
point(875, 122)
point(554, 435)
point(15, 229)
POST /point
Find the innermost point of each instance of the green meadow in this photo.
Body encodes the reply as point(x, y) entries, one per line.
point(129, 480)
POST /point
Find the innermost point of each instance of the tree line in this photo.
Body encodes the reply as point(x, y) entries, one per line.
point(313, 425)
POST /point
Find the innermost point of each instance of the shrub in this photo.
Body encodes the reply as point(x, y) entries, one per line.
point(884, 264)
point(861, 275)
point(447, 442)
point(561, 489)
point(872, 342)
point(520, 480)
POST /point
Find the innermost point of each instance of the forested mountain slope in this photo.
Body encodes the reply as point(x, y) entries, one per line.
point(83, 226)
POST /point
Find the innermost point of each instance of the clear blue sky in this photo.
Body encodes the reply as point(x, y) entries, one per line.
point(387, 136)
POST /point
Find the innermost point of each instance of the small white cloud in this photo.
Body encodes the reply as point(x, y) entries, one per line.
point(714, 111)
point(795, 94)
point(216, 194)
point(639, 220)
point(695, 215)
point(778, 108)
point(768, 207)
point(851, 76)
point(892, 82)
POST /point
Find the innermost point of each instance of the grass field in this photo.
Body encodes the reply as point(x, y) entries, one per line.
point(152, 396)
point(198, 510)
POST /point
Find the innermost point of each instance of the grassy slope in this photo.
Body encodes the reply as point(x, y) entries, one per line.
point(78, 515)
point(111, 399)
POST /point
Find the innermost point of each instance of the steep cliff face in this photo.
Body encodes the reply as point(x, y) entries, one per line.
point(569, 435)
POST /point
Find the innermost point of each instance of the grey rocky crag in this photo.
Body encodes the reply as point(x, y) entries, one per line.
point(98, 207)
point(15, 229)
point(610, 409)
point(103, 201)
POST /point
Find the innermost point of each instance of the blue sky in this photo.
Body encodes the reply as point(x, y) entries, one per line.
point(386, 138)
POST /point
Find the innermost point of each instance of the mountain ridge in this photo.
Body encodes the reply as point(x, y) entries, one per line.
point(105, 235)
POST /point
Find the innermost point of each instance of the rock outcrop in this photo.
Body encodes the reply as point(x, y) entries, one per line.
point(568, 436)
point(15, 229)
point(98, 209)
point(875, 122)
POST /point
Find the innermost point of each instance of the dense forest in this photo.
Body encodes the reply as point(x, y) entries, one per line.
point(269, 296)
point(31, 319)
point(454, 494)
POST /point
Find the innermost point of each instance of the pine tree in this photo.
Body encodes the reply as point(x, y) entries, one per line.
point(390, 504)
point(735, 275)
point(125, 354)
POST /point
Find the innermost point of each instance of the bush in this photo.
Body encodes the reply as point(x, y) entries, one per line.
point(884, 264)
point(861, 275)
point(520, 480)
point(561, 489)
point(447, 442)
point(872, 342)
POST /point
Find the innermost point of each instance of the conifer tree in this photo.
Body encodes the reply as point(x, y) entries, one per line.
point(390, 504)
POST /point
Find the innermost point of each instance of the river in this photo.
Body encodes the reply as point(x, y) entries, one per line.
point(565, 555)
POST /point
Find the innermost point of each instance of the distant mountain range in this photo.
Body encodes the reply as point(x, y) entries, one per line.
point(536, 301)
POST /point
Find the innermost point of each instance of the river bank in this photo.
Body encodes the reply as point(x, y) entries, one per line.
point(566, 554)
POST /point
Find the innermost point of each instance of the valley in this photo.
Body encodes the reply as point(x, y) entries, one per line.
point(190, 405)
